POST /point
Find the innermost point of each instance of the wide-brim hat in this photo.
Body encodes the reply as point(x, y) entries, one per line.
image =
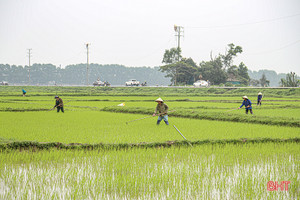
point(55, 97)
point(159, 99)
point(259, 93)
point(245, 97)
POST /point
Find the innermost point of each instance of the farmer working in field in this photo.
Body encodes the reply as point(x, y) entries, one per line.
point(248, 105)
point(259, 98)
point(24, 92)
point(59, 104)
point(162, 111)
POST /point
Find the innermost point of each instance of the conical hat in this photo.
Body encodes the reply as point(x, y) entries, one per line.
point(159, 99)
point(259, 93)
point(245, 97)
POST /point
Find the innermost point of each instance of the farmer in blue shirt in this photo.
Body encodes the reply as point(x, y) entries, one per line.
point(259, 98)
point(248, 105)
point(24, 92)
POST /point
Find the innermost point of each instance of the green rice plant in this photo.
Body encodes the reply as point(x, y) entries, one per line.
point(214, 115)
point(110, 128)
point(146, 91)
point(90, 152)
point(203, 172)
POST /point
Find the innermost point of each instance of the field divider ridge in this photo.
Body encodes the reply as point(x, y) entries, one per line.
point(214, 116)
point(34, 146)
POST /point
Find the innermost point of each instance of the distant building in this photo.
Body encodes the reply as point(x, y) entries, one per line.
point(233, 81)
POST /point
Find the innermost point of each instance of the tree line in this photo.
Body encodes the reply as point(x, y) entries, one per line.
point(218, 70)
point(49, 74)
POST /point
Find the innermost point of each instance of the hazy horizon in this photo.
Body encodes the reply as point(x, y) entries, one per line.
point(135, 33)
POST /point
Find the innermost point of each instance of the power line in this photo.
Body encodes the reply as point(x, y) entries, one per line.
point(154, 51)
point(271, 51)
point(71, 57)
point(245, 24)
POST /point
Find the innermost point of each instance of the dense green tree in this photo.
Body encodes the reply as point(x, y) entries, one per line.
point(174, 68)
point(213, 71)
point(291, 80)
point(227, 58)
point(243, 74)
point(171, 71)
point(263, 81)
point(186, 73)
point(182, 72)
point(217, 70)
point(172, 56)
point(282, 82)
point(220, 68)
point(193, 71)
point(232, 71)
point(171, 59)
point(239, 73)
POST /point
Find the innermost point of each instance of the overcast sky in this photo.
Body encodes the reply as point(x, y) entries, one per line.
point(137, 32)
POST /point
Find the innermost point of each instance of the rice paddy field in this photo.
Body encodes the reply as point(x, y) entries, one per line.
point(99, 150)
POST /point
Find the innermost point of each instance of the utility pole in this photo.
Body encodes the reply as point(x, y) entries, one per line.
point(179, 32)
point(87, 64)
point(29, 56)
